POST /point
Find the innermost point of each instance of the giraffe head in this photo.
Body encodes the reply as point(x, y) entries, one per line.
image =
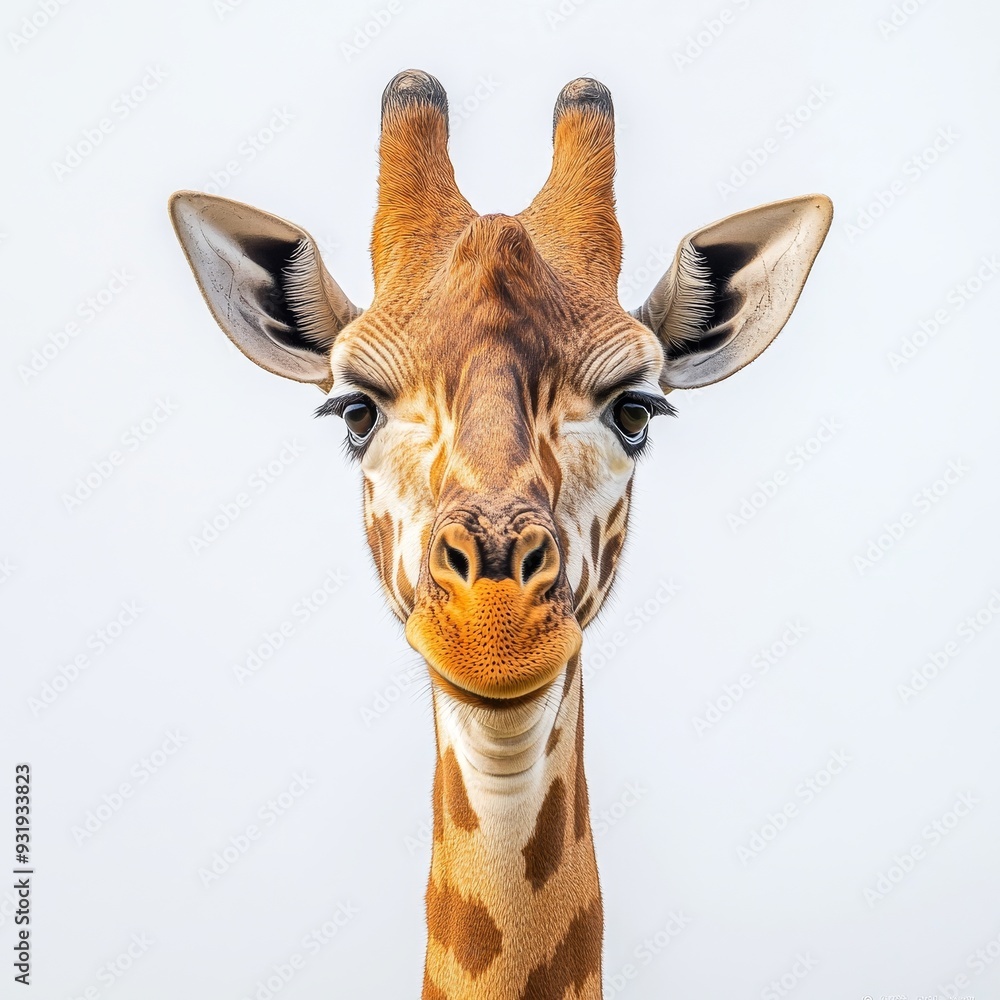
point(495, 392)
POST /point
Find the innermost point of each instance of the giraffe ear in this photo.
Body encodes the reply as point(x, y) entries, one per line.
point(731, 288)
point(264, 283)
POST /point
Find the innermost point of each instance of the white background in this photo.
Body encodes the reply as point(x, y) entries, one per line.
point(343, 700)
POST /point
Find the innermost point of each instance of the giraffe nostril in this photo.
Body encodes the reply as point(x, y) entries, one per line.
point(536, 561)
point(454, 560)
point(457, 560)
point(532, 563)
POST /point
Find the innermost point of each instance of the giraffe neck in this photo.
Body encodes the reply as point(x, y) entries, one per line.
point(513, 901)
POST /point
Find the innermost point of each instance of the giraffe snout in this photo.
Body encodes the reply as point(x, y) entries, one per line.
point(493, 615)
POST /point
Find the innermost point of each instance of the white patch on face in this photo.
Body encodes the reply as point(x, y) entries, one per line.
point(397, 464)
point(596, 472)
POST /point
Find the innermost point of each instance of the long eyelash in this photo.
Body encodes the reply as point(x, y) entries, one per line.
point(353, 452)
point(640, 450)
point(661, 407)
point(335, 407)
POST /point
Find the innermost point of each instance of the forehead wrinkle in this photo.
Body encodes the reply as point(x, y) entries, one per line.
point(619, 355)
point(375, 357)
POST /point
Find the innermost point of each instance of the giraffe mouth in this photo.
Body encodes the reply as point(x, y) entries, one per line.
point(493, 703)
point(495, 645)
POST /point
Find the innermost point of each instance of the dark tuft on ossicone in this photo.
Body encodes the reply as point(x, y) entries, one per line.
point(583, 92)
point(414, 86)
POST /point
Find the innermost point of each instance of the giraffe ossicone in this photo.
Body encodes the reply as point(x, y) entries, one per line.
point(496, 396)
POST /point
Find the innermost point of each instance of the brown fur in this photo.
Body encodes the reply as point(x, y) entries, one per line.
point(459, 809)
point(543, 852)
point(575, 959)
point(464, 927)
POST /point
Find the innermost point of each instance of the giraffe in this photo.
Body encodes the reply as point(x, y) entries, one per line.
point(497, 396)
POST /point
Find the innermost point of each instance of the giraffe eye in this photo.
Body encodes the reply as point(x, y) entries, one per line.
point(631, 417)
point(360, 417)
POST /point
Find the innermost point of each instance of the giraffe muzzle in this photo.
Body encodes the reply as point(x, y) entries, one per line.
point(493, 616)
